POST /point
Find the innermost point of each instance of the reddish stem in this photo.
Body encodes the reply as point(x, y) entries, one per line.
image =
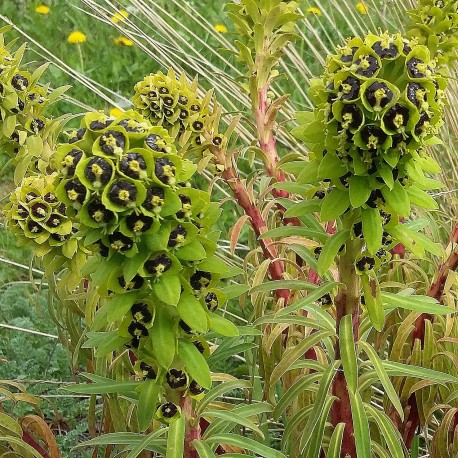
point(268, 145)
point(347, 303)
point(192, 431)
point(436, 289)
point(276, 267)
point(341, 408)
point(28, 439)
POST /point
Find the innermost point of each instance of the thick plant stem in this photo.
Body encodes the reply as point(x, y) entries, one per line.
point(347, 303)
point(192, 431)
point(412, 422)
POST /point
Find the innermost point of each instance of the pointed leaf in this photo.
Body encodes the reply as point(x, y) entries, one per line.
point(334, 204)
point(330, 250)
point(372, 229)
point(348, 352)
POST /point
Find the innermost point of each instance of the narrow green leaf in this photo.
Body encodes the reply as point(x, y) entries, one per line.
point(294, 391)
point(415, 448)
point(103, 387)
point(383, 377)
point(373, 301)
point(319, 403)
point(303, 208)
point(421, 198)
point(334, 204)
point(330, 250)
point(372, 229)
point(422, 304)
point(391, 435)
point(405, 370)
point(221, 426)
point(293, 354)
point(203, 449)
point(223, 354)
point(245, 443)
point(335, 444)
point(231, 291)
point(409, 238)
point(288, 319)
point(233, 416)
point(314, 447)
point(313, 296)
point(360, 425)
point(147, 403)
point(125, 438)
point(348, 352)
point(18, 442)
point(195, 363)
point(175, 438)
point(219, 390)
point(273, 285)
point(296, 231)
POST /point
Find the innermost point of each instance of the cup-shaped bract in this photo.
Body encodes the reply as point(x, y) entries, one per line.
point(27, 134)
point(150, 232)
point(39, 219)
point(178, 106)
point(434, 23)
point(379, 105)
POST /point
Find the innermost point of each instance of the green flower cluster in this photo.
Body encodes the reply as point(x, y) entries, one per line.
point(435, 23)
point(38, 218)
point(150, 230)
point(175, 104)
point(379, 104)
point(26, 134)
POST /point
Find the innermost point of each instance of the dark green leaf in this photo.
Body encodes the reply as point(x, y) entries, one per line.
point(397, 199)
point(334, 204)
point(163, 336)
point(372, 229)
point(195, 363)
point(348, 352)
point(330, 250)
point(360, 190)
point(192, 313)
point(147, 403)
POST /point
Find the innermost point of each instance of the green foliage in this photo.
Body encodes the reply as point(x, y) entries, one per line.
point(340, 340)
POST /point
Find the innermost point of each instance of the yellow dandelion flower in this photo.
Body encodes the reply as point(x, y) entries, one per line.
point(120, 16)
point(115, 112)
point(361, 7)
point(76, 37)
point(314, 10)
point(42, 9)
point(220, 28)
point(123, 41)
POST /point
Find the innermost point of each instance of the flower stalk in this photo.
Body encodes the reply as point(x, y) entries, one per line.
point(192, 431)
point(347, 303)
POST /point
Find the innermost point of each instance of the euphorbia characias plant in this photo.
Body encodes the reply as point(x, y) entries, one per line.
point(333, 368)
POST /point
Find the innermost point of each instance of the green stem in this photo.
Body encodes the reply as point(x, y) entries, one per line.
point(80, 53)
point(347, 303)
